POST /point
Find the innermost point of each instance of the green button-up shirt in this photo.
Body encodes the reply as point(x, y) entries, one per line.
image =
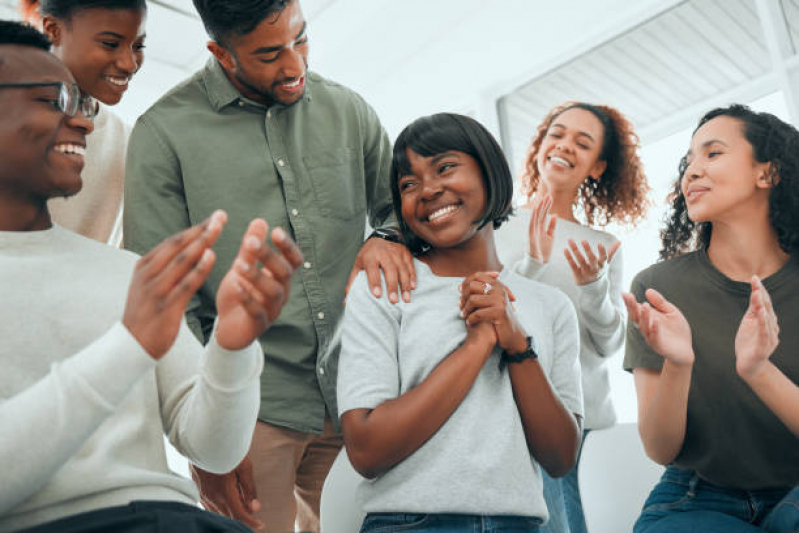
point(317, 168)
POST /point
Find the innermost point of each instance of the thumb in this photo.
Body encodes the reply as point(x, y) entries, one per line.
point(246, 480)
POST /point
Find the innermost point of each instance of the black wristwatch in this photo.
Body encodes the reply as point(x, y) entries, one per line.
point(388, 234)
point(530, 353)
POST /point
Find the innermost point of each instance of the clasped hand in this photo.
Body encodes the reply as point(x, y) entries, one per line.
point(249, 298)
point(486, 306)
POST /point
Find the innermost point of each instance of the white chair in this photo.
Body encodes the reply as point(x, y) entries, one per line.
point(340, 512)
point(615, 478)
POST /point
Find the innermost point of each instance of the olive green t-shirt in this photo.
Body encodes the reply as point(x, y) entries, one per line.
point(732, 438)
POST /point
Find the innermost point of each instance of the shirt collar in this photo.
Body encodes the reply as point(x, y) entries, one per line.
point(222, 93)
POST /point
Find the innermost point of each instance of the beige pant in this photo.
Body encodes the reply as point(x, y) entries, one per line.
point(290, 468)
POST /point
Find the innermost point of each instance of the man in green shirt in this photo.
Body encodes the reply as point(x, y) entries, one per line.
point(257, 134)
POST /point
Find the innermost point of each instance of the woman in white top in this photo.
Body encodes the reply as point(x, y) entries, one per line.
point(582, 170)
point(102, 44)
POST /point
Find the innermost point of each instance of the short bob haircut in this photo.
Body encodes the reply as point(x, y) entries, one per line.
point(224, 19)
point(64, 9)
point(773, 141)
point(622, 193)
point(443, 132)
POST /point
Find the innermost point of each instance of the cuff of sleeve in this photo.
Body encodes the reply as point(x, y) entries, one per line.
point(117, 354)
point(529, 267)
point(594, 292)
point(232, 370)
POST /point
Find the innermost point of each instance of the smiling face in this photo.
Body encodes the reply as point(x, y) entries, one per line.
point(41, 150)
point(569, 153)
point(443, 199)
point(102, 47)
point(269, 64)
point(723, 180)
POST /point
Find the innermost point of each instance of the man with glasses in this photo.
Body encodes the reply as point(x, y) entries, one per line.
point(256, 132)
point(97, 361)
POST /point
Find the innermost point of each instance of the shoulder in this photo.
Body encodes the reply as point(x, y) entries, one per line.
point(183, 96)
point(665, 274)
point(108, 258)
point(331, 92)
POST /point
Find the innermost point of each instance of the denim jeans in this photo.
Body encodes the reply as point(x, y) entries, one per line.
point(563, 501)
point(447, 523)
point(683, 502)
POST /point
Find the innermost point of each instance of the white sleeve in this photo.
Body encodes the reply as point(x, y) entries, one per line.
point(566, 374)
point(209, 400)
point(368, 371)
point(529, 267)
point(601, 309)
point(46, 424)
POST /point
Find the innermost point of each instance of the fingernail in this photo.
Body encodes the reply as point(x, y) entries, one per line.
point(253, 243)
point(460, 314)
point(376, 291)
point(242, 266)
point(206, 257)
point(279, 234)
point(393, 297)
point(460, 288)
point(406, 296)
point(413, 284)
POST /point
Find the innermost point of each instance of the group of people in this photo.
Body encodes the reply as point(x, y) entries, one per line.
point(459, 352)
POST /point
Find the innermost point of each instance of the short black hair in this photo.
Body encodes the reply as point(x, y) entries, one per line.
point(12, 32)
point(64, 9)
point(225, 18)
point(443, 132)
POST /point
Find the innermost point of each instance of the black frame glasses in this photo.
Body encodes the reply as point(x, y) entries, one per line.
point(69, 99)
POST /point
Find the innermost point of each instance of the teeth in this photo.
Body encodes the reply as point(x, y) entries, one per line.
point(560, 161)
point(71, 149)
point(117, 81)
point(441, 212)
point(293, 84)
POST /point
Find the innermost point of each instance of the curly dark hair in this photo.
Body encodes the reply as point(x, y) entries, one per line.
point(773, 141)
point(622, 195)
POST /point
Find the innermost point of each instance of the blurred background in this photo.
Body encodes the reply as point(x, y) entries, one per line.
point(506, 62)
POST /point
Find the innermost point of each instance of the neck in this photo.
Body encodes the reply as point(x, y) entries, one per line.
point(478, 254)
point(562, 200)
point(18, 216)
point(746, 247)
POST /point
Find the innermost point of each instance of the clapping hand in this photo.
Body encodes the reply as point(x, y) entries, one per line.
point(587, 268)
point(759, 332)
point(542, 229)
point(250, 295)
point(663, 327)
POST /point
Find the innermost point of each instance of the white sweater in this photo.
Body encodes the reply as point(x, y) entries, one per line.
point(83, 408)
point(96, 212)
point(600, 309)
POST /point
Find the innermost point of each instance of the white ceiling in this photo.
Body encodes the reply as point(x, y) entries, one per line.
point(407, 58)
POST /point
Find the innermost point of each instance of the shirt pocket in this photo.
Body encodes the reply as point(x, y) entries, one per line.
point(337, 180)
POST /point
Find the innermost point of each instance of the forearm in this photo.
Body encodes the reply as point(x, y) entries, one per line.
point(779, 393)
point(45, 425)
point(377, 440)
point(602, 311)
point(662, 420)
point(552, 432)
point(210, 417)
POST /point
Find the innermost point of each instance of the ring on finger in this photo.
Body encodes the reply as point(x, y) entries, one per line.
point(486, 288)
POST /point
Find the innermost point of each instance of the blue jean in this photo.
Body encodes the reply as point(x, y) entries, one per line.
point(683, 502)
point(563, 501)
point(447, 523)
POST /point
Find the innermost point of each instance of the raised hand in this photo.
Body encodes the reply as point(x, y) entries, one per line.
point(164, 281)
point(663, 327)
point(250, 296)
point(759, 332)
point(542, 229)
point(485, 300)
point(587, 268)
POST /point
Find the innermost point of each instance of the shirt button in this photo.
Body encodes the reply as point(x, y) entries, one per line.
point(321, 316)
point(269, 114)
point(241, 103)
point(294, 212)
point(321, 371)
point(307, 264)
point(281, 163)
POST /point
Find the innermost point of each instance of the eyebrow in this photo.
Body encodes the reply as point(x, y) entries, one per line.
point(110, 34)
point(706, 144)
point(582, 133)
point(271, 49)
point(439, 157)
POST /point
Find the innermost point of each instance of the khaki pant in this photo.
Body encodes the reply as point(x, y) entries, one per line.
point(290, 468)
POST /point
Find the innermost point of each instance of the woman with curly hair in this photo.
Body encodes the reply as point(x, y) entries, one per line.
point(583, 163)
point(716, 377)
point(102, 44)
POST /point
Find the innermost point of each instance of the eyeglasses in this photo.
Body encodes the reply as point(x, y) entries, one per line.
point(69, 99)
